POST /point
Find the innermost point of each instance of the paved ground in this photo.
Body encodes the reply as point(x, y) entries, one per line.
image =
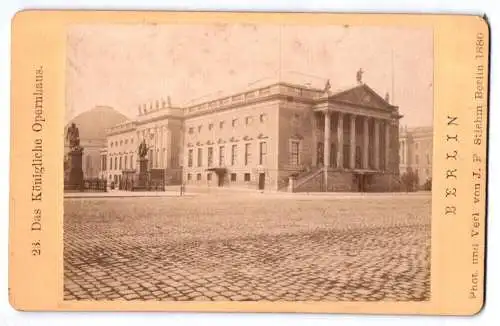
point(248, 247)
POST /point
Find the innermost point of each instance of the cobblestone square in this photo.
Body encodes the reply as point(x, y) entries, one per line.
point(247, 247)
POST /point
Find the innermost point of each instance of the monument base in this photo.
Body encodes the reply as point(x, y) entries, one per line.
point(75, 176)
point(142, 175)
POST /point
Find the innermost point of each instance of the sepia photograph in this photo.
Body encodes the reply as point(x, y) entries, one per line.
point(248, 162)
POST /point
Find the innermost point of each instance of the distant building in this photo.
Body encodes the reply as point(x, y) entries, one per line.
point(279, 136)
point(415, 151)
point(161, 127)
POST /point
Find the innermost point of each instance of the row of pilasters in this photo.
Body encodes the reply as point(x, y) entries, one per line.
point(374, 140)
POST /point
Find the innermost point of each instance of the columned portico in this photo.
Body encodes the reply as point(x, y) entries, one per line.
point(354, 148)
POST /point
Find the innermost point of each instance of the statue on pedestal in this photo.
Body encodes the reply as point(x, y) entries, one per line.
point(143, 149)
point(73, 163)
point(73, 137)
point(142, 174)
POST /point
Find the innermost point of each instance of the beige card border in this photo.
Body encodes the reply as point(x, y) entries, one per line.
point(38, 39)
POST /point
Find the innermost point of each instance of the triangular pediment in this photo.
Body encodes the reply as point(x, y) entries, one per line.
point(361, 95)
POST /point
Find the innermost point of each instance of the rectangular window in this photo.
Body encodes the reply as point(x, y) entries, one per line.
point(210, 156)
point(294, 153)
point(120, 162)
point(111, 163)
point(262, 117)
point(221, 124)
point(247, 177)
point(209, 176)
point(210, 126)
point(248, 153)
point(116, 163)
point(191, 130)
point(262, 152)
point(131, 161)
point(222, 157)
point(234, 122)
point(428, 158)
point(190, 158)
point(234, 153)
point(198, 177)
point(199, 128)
point(233, 177)
point(125, 162)
point(248, 121)
point(189, 176)
point(416, 159)
point(200, 156)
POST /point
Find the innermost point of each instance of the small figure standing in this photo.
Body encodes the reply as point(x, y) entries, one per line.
point(359, 76)
point(73, 137)
point(387, 97)
point(143, 149)
point(327, 87)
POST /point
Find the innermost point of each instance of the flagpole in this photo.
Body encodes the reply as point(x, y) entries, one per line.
point(280, 52)
point(392, 76)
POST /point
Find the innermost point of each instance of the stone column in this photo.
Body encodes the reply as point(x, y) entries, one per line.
point(157, 144)
point(326, 147)
point(366, 143)
point(352, 141)
point(169, 148)
point(161, 142)
point(315, 140)
point(376, 152)
point(387, 145)
point(327, 143)
point(340, 141)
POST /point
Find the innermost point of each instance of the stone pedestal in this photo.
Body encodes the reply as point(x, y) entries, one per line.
point(291, 184)
point(142, 175)
point(75, 175)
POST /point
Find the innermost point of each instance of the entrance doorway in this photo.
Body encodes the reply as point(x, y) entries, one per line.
point(360, 182)
point(220, 180)
point(262, 181)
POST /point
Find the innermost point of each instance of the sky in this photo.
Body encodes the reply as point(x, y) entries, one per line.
point(124, 66)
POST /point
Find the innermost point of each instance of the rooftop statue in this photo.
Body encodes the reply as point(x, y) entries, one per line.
point(359, 76)
point(327, 87)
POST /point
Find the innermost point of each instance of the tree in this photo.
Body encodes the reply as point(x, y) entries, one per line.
point(409, 179)
point(428, 184)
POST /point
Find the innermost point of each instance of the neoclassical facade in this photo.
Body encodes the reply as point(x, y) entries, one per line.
point(281, 136)
point(160, 126)
point(416, 151)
